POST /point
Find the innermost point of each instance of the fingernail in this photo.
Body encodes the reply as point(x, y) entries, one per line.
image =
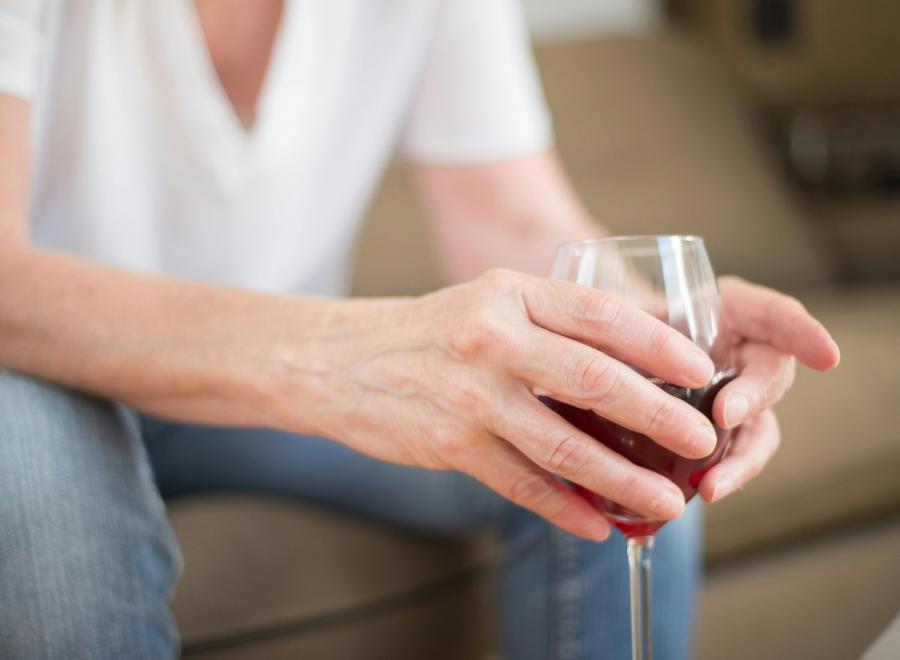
point(702, 441)
point(837, 351)
point(667, 506)
point(722, 488)
point(736, 408)
point(699, 368)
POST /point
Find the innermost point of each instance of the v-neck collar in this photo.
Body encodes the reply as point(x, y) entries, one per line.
point(234, 149)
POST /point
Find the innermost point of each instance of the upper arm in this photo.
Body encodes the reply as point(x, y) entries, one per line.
point(479, 96)
point(508, 213)
point(480, 139)
point(14, 170)
point(20, 53)
point(518, 192)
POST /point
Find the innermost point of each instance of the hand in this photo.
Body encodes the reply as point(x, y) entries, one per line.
point(449, 381)
point(770, 332)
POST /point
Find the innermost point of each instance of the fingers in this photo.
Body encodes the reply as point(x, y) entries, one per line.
point(753, 446)
point(766, 375)
point(601, 319)
point(559, 448)
point(574, 373)
point(764, 315)
point(504, 469)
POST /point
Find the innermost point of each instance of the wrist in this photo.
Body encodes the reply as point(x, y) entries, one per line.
point(311, 383)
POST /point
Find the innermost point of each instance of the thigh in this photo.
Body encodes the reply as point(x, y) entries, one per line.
point(563, 597)
point(557, 591)
point(189, 459)
point(87, 558)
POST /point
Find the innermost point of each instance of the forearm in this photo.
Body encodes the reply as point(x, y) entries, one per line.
point(526, 244)
point(183, 350)
point(509, 214)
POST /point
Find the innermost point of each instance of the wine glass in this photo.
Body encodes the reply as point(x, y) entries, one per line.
point(671, 278)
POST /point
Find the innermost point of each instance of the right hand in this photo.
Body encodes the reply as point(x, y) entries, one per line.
point(450, 381)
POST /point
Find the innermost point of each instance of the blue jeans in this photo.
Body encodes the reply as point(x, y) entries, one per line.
point(88, 560)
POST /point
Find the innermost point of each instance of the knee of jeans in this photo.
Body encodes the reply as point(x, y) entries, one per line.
point(77, 499)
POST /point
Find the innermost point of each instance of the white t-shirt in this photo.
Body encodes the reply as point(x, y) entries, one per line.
point(140, 161)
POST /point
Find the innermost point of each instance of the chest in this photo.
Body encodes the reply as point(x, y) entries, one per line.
point(240, 38)
point(321, 90)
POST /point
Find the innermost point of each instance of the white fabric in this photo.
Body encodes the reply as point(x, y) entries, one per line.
point(887, 646)
point(580, 19)
point(140, 161)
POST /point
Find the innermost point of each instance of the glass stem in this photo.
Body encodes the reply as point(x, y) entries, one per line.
point(639, 549)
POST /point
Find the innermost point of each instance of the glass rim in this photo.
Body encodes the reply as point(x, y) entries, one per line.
point(690, 239)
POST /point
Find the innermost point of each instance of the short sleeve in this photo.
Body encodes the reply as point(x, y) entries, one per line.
point(20, 44)
point(479, 97)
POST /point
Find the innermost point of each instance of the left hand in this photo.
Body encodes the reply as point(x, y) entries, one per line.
point(769, 331)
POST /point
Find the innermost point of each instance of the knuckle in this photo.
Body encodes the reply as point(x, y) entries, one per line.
point(660, 341)
point(751, 472)
point(499, 278)
point(496, 415)
point(589, 375)
point(663, 417)
point(755, 467)
point(597, 309)
point(481, 331)
point(768, 441)
point(476, 398)
point(606, 382)
point(767, 394)
point(454, 448)
point(624, 487)
point(534, 492)
point(790, 374)
point(568, 457)
point(792, 305)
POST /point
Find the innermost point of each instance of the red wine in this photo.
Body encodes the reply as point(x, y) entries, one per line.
point(686, 473)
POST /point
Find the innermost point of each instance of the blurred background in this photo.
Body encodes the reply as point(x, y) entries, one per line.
point(772, 128)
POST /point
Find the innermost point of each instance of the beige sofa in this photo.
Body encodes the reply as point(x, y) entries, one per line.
point(802, 564)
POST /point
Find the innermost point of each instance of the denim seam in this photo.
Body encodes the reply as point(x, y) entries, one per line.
point(567, 596)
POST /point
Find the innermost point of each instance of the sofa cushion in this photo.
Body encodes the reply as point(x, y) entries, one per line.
point(840, 456)
point(445, 626)
point(866, 234)
point(260, 570)
point(825, 599)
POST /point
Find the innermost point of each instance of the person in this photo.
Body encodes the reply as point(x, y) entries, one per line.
point(180, 187)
